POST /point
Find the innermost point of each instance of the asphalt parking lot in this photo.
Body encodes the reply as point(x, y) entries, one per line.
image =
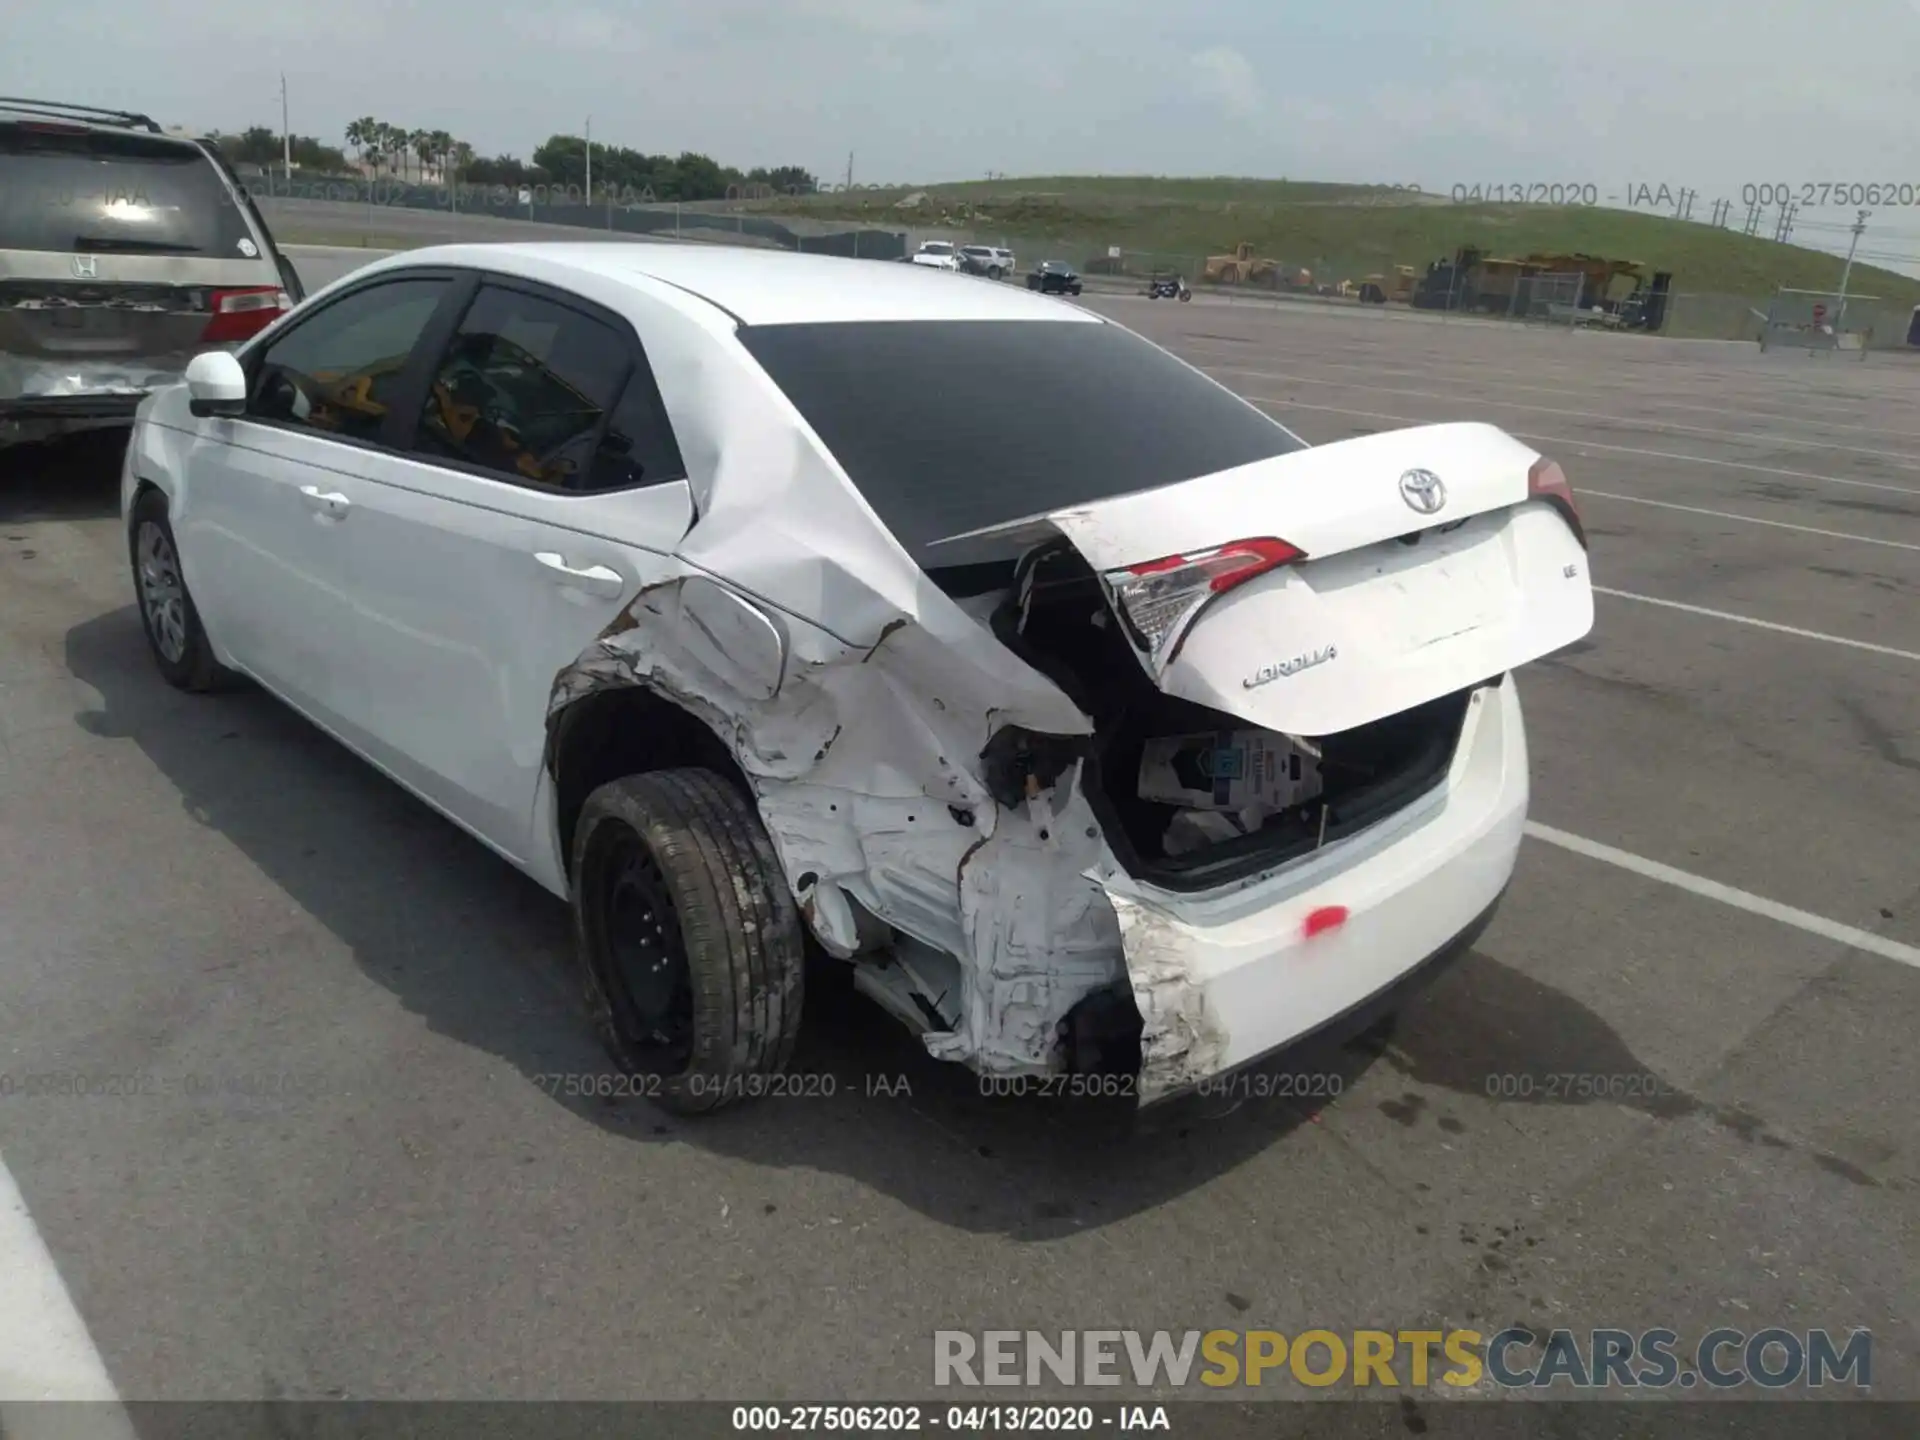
point(208, 888)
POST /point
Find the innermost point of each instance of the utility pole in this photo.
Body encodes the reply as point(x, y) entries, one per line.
point(589, 159)
point(1859, 228)
point(849, 170)
point(286, 134)
point(1785, 228)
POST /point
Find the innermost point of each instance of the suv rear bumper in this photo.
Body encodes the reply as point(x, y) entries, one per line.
point(107, 405)
point(46, 417)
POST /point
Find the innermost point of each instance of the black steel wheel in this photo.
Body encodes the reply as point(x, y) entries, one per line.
point(688, 936)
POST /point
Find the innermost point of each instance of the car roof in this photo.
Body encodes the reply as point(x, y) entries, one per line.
point(766, 287)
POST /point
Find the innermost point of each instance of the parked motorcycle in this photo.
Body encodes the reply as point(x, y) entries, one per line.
point(1168, 287)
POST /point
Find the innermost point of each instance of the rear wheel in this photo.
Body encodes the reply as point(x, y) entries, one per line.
point(167, 614)
point(688, 936)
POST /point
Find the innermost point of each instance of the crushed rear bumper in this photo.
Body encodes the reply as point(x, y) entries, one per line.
point(1291, 1056)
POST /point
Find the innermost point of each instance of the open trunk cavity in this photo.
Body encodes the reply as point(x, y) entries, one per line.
point(1057, 618)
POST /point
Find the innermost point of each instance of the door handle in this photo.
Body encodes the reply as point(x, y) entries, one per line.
point(594, 579)
point(330, 503)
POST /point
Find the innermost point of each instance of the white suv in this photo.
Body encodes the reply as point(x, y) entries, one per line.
point(992, 261)
point(1120, 734)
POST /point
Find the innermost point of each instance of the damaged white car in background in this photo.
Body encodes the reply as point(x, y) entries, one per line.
point(1102, 727)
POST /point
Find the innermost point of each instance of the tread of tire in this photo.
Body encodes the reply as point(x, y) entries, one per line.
point(741, 920)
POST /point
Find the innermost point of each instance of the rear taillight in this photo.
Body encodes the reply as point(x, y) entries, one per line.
point(242, 314)
point(1547, 481)
point(1159, 599)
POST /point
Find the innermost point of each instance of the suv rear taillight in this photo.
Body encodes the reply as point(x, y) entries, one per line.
point(242, 314)
point(1547, 481)
point(1158, 599)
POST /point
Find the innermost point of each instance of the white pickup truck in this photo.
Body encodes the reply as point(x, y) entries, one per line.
point(936, 255)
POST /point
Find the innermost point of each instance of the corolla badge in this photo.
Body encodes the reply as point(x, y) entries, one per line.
point(1280, 669)
point(1422, 491)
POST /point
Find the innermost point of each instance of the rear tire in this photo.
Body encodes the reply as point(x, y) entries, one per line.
point(168, 617)
point(690, 944)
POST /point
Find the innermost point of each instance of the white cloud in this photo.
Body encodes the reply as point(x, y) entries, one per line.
point(1225, 76)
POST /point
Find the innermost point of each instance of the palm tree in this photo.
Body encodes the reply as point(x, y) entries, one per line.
point(421, 143)
point(441, 143)
point(362, 136)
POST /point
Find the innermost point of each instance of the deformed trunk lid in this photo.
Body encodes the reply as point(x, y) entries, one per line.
point(1393, 605)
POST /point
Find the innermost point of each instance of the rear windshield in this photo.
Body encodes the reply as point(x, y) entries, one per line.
point(948, 426)
point(114, 194)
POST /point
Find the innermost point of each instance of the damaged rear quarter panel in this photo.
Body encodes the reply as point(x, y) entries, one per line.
point(866, 769)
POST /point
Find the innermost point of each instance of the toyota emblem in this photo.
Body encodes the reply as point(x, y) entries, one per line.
point(1422, 491)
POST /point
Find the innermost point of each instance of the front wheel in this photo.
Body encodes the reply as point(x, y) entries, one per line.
point(172, 625)
point(994, 272)
point(688, 937)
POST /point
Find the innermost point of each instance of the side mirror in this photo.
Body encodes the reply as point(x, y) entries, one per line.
point(216, 384)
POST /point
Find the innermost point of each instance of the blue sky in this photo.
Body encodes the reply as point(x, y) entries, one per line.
point(1712, 94)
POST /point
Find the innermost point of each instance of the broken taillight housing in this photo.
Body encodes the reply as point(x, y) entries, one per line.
point(243, 314)
point(1158, 599)
point(1547, 481)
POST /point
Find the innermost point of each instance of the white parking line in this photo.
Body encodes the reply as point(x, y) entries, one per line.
point(45, 1351)
point(1637, 422)
point(1587, 492)
point(1760, 624)
point(1505, 379)
point(1850, 936)
point(1598, 445)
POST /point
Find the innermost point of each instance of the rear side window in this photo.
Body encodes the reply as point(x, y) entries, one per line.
point(336, 371)
point(536, 391)
point(949, 426)
point(111, 193)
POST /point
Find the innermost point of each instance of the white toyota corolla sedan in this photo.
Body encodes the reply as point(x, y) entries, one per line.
point(1103, 727)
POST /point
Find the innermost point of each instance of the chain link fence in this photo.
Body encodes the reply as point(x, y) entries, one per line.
point(380, 209)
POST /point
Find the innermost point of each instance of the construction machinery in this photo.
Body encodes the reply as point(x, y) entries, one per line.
point(1399, 287)
point(1617, 293)
point(1240, 268)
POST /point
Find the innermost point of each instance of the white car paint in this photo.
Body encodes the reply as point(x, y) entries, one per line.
point(435, 622)
point(936, 255)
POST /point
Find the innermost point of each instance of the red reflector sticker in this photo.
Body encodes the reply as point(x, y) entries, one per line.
point(1327, 917)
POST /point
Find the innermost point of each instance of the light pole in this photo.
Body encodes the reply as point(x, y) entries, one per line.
point(589, 159)
point(286, 136)
point(1859, 228)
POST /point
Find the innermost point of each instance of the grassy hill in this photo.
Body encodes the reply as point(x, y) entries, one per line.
point(1337, 230)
